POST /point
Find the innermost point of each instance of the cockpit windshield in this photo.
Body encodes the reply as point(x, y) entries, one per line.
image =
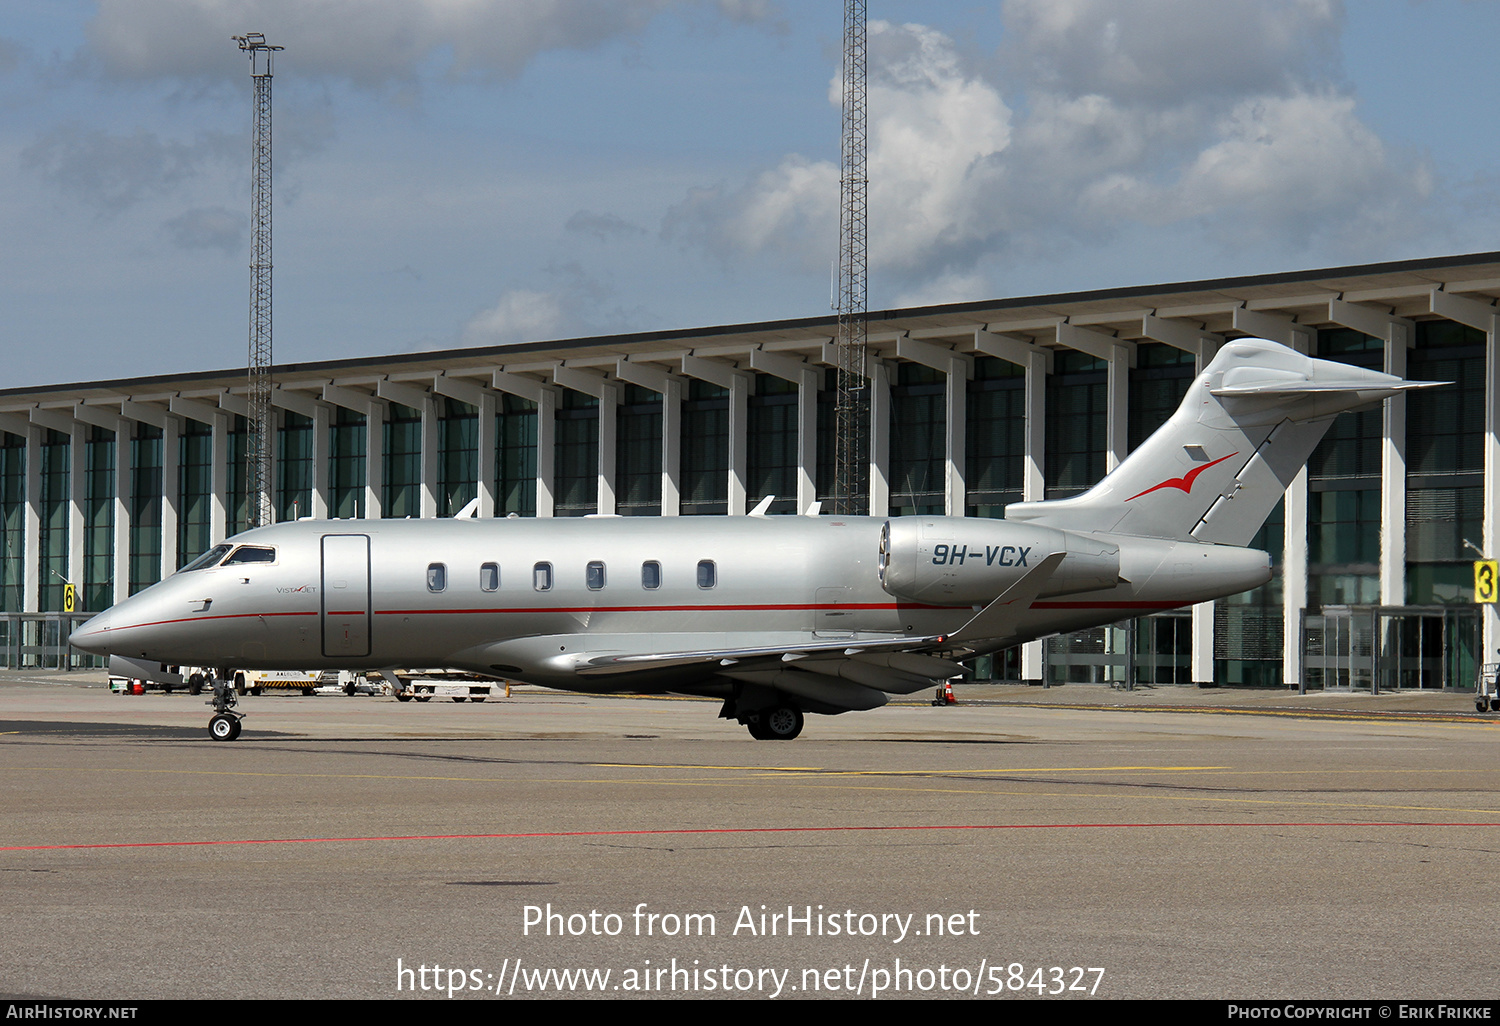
point(209, 558)
point(252, 554)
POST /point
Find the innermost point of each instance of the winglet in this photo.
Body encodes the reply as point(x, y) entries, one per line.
point(996, 619)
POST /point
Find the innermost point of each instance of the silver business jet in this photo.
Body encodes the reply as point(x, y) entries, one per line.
point(778, 616)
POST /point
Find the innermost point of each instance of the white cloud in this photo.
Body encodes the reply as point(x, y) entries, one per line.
point(1126, 115)
point(369, 42)
point(521, 315)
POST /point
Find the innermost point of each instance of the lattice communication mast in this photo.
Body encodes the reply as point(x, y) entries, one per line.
point(258, 440)
point(851, 458)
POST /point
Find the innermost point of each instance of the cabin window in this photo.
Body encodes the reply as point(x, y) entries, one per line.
point(594, 575)
point(437, 576)
point(489, 577)
point(708, 574)
point(209, 558)
point(541, 577)
point(651, 575)
point(252, 554)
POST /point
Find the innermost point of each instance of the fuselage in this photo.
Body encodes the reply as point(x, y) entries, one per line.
point(534, 599)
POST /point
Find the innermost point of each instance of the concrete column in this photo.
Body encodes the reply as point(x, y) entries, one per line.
point(1117, 417)
point(1399, 338)
point(807, 438)
point(77, 490)
point(374, 458)
point(170, 493)
point(671, 446)
point(428, 504)
point(1034, 483)
point(320, 449)
point(609, 410)
point(739, 442)
point(122, 510)
point(31, 568)
point(957, 394)
point(1491, 616)
point(218, 511)
point(487, 441)
point(880, 437)
point(546, 452)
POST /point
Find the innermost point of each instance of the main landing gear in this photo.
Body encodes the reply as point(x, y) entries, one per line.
point(778, 723)
point(225, 725)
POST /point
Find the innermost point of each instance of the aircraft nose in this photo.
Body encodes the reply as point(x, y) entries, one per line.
point(92, 636)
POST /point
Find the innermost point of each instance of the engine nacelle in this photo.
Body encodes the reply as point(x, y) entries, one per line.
point(954, 561)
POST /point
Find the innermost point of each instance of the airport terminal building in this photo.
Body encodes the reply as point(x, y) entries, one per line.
point(108, 486)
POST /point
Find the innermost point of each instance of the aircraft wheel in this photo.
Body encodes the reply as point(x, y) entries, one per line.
point(224, 728)
point(757, 730)
point(782, 723)
point(403, 697)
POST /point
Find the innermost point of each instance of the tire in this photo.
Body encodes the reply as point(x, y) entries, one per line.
point(195, 684)
point(1495, 705)
point(234, 735)
point(476, 698)
point(223, 728)
point(459, 698)
point(239, 684)
point(757, 731)
point(782, 723)
point(403, 697)
point(307, 692)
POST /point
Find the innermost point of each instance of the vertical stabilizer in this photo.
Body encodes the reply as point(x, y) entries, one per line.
point(1216, 469)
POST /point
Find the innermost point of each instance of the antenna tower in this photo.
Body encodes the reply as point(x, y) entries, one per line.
point(258, 442)
point(852, 424)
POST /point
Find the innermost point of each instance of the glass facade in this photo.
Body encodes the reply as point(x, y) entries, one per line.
point(12, 519)
point(145, 507)
point(576, 487)
point(401, 494)
point(1444, 463)
point(515, 456)
point(458, 455)
point(348, 435)
point(1077, 404)
point(638, 452)
point(97, 589)
point(294, 466)
point(195, 460)
point(771, 457)
point(1159, 380)
point(919, 451)
point(705, 449)
point(995, 437)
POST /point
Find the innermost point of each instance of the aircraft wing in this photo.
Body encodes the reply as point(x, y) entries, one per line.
point(842, 671)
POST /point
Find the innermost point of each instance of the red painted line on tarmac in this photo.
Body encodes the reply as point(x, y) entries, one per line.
point(1258, 824)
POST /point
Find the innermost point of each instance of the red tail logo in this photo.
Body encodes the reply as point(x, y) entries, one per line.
point(1185, 482)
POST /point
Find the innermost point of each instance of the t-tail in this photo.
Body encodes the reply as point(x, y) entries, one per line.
point(1217, 468)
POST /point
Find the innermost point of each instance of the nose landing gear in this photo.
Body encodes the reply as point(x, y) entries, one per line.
point(225, 725)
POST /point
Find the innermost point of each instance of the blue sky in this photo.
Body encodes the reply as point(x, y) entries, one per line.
point(455, 172)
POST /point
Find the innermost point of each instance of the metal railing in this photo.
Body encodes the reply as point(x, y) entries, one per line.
point(39, 641)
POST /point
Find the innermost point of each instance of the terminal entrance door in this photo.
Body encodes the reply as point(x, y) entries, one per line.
point(1390, 647)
